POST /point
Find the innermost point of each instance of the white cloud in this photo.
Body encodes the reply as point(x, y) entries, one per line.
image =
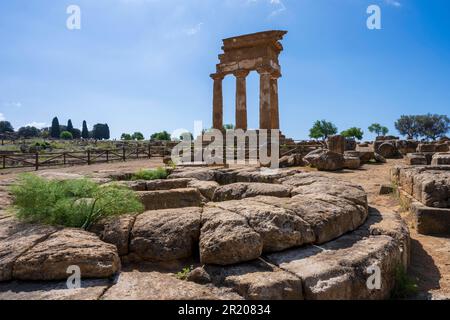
point(194, 30)
point(38, 125)
point(394, 3)
point(12, 104)
point(2, 117)
point(280, 7)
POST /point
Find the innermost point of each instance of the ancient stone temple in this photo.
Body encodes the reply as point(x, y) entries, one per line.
point(243, 54)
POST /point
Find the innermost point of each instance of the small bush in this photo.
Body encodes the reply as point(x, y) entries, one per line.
point(66, 135)
point(159, 173)
point(182, 275)
point(405, 287)
point(71, 203)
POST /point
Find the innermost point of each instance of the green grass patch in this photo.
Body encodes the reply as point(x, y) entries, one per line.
point(70, 203)
point(159, 173)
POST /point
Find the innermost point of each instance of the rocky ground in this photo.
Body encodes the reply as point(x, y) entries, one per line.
point(274, 275)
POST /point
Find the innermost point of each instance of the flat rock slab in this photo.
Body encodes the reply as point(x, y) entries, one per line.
point(136, 285)
point(243, 190)
point(18, 290)
point(15, 240)
point(227, 238)
point(279, 228)
point(49, 259)
point(163, 235)
point(116, 231)
point(257, 280)
point(168, 199)
point(340, 268)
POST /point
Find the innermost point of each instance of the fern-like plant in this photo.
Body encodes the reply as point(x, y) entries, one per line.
point(72, 203)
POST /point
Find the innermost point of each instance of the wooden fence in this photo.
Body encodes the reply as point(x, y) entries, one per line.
point(48, 159)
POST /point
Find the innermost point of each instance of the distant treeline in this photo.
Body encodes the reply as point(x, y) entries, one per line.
point(100, 131)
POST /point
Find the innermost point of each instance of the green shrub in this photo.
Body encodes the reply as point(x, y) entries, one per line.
point(159, 173)
point(71, 203)
point(66, 135)
point(182, 275)
point(405, 287)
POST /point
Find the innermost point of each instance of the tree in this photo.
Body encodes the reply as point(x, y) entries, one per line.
point(28, 132)
point(55, 131)
point(126, 137)
point(70, 126)
point(101, 131)
point(353, 132)
point(85, 131)
point(76, 133)
point(408, 126)
point(433, 126)
point(137, 136)
point(66, 135)
point(228, 127)
point(322, 129)
point(5, 126)
point(378, 129)
point(161, 136)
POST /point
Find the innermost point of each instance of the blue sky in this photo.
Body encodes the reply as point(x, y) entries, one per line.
point(144, 65)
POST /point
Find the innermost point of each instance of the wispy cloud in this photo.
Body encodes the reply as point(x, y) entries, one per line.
point(2, 117)
point(194, 30)
point(394, 3)
point(12, 104)
point(38, 125)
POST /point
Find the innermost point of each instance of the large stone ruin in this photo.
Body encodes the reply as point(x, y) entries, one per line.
point(425, 191)
point(249, 235)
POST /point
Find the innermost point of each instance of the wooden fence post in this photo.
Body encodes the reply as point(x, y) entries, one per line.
point(37, 161)
point(64, 157)
point(107, 156)
point(137, 152)
point(124, 155)
point(149, 151)
point(89, 157)
point(4, 162)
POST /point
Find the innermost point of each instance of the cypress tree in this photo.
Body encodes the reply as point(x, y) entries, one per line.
point(54, 130)
point(70, 126)
point(85, 131)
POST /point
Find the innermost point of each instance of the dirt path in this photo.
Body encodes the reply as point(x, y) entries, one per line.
point(430, 256)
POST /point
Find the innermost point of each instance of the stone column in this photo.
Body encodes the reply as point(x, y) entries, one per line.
point(241, 99)
point(217, 101)
point(336, 144)
point(264, 99)
point(274, 113)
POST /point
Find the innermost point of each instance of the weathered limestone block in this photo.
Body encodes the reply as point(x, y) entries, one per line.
point(257, 280)
point(379, 158)
point(204, 174)
point(291, 161)
point(147, 285)
point(406, 146)
point(339, 269)
point(91, 289)
point(49, 259)
point(415, 159)
point(279, 228)
point(226, 238)
point(442, 147)
point(116, 231)
point(167, 199)
point(164, 235)
point(243, 190)
point(388, 150)
point(350, 144)
point(422, 147)
point(325, 160)
point(441, 159)
point(167, 184)
point(351, 162)
point(336, 144)
point(15, 239)
point(206, 188)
